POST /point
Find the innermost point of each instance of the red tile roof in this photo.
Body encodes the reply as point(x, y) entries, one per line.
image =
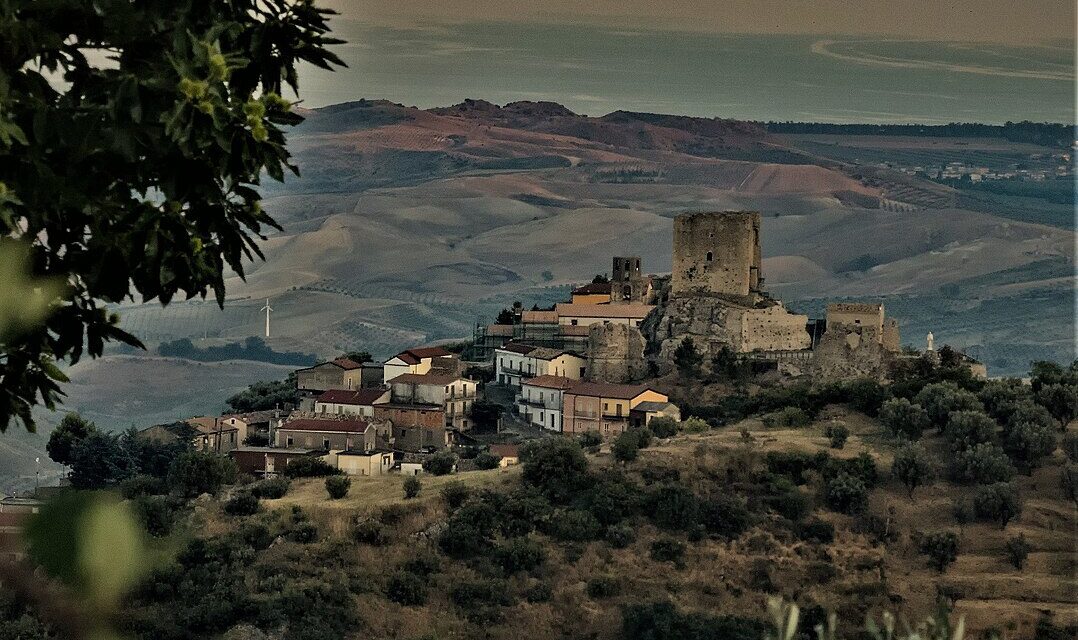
point(424, 378)
point(362, 397)
point(336, 426)
point(505, 450)
point(522, 349)
point(593, 288)
point(346, 363)
point(608, 390)
point(550, 382)
point(632, 310)
point(414, 356)
point(539, 317)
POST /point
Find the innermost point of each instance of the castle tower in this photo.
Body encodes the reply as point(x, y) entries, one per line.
point(627, 283)
point(717, 253)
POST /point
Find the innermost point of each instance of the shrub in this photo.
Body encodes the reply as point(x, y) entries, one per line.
point(555, 466)
point(866, 395)
point(309, 467)
point(440, 464)
point(142, 485)
point(271, 489)
point(455, 494)
point(1029, 411)
point(663, 427)
point(668, 550)
point(539, 592)
point(337, 486)
point(241, 504)
point(939, 399)
point(902, 417)
point(612, 497)
point(590, 439)
point(984, 463)
point(194, 473)
point(412, 486)
point(423, 564)
point(663, 621)
point(941, 549)
point(846, 494)
point(760, 575)
point(787, 417)
point(963, 512)
point(487, 460)
point(626, 447)
point(620, 535)
point(519, 554)
point(819, 572)
point(1068, 481)
point(255, 535)
point(673, 507)
point(838, 433)
point(1028, 443)
point(997, 502)
point(1017, 550)
point(407, 589)
point(372, 532)
point(575, 526)
point(912, 467)
point(644, 436)
point(303, 532)
point(687, 359)
point(1070, 446)
point(602, 587)
point(1001, 397)
point(966, 429)
point(790, 503)
point(725, 515)
point(694, 425)
point(472, 594)
point(815, 530)
point(155, 513)
point(1061, 400)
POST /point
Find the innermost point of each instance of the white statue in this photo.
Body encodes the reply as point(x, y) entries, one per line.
point(931, 341)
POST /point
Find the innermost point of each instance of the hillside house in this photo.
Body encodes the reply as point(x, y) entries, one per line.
point(644, 412)
point(214, 433)
point(454, 394)
point(17, 504)
point(350, 403)
point(268, 461)
point(341, 373)
point(261, 423)
point(327, 434)
point(515, 362)
point(375, 462)
point(592, 293)
point(507, 454)
point(12, 547)
point(415, 426)
point(584, 315)
point(541, 399)
point(602, 407)
point(419, 361)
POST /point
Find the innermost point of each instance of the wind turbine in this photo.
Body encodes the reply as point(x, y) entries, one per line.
point(267, 309)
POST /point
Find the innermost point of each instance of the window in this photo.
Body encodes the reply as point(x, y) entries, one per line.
point(573, 322)
point(325, 443)
point(708, 258)
point(289, 441)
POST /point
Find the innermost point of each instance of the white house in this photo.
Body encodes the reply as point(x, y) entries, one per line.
point(588, 314)
point(454, 393)
point(540, 400)
point(353, 403)
point(514, 363)
point(413, 361)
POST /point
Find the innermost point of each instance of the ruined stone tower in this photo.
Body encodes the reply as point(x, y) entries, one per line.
point(627, 282)
point(718, 254)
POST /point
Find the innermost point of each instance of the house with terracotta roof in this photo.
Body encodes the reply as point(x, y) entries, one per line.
point(261, 423)
point(507, 454)
point(415, 426)
point(584, 315)
point(643, 413)
point(342, 373)
point(419, 360)
point(269, 461)
point(515, 362)
point(329, 434)
point(592, 293)
point(541, 398)
point(603, 407)
point(359, 402)
point(454, 393)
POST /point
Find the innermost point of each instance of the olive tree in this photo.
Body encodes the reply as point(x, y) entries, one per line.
point(133, 139)
point(912, 467)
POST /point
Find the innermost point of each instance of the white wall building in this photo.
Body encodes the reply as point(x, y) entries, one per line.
point(413, 361)
point(540, 400)
point(351, 403)
point(589, 314)
point(514, 363)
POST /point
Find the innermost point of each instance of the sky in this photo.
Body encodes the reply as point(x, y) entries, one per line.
point(1024, 22)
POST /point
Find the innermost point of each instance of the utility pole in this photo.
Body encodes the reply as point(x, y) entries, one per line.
point(267, 309)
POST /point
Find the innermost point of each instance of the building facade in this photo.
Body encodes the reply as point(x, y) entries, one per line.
point(341, 373)
point(351, 403)
point(419, 361)
point(540, 401)
point(602, 407)
point(454, 394)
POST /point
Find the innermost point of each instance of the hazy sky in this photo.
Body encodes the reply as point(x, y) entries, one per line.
point(1008, 21)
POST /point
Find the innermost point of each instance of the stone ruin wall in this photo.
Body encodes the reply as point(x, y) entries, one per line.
point(615, 354)
point(851, 351)
point(716, 254)
point(773, 329)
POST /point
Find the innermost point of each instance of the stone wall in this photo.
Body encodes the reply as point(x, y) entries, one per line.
point(773, 329)
point(848, 351)
point(615, 353)
point(717, 253)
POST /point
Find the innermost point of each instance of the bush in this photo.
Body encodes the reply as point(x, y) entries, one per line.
point(644, 436)
point(620, 535)
point(519, 554)
point(142, 485)
point(555, 466)
point(663, 621)
point(1017, 550)
point(725, 515)
point(271, 489)
point(412, 486)
point(474, 594)
point(790, 503)
point(963, 513)
point(674, 507)
point(1061, 400)
point(337, 486)
point(626, 447)
point(455, 494)
point(303, 532)
point(941, 549)
point(487, 460)
point(575, 526)
point(984, 463)
point(309, 467)
point(663, 427)
point(423, 564)
point(590, 439)
point(539, 592)
point(1070, 446)
point(1068, 481)
point(602, 587)
point(912, 467)
point(904, 418)
point(694, 425)
point(155, 513)
point(194, 473)
point(846, 494)
point(440, 464)
point(241, 504)
point(255, 535)
point(997, 502)
point(866, 395)
point(407, 589)
point(787, 417)
point(815, 530)
point(371, 532)
point(939, 399)
point(668, 550)
point(838, 433)
point(1028, 443)
point(966, 429)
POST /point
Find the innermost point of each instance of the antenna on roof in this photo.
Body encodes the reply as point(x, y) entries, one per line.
point(267, 309)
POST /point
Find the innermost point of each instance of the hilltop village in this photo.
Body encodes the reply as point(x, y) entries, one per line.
point(586, 365)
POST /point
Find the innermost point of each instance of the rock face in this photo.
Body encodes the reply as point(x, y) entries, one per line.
point(848, 351)
point(615, 353)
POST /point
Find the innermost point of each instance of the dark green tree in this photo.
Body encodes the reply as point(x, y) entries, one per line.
point(412, 486)
point(985, 463)
point(555, 466)
point(196, 472)
point(687, 359)
point(72, 429)
point(337, 486)
point(1061, 400)
point(941, 549)
point(137, 178)
point(902, 417)
point(100, 460)
point(999, 502)
point(912, 467)
point(1028, 443)
point(968, 428)
point(626, 447)
point(1017, 550)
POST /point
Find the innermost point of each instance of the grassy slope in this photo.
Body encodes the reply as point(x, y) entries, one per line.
point(718, 575)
